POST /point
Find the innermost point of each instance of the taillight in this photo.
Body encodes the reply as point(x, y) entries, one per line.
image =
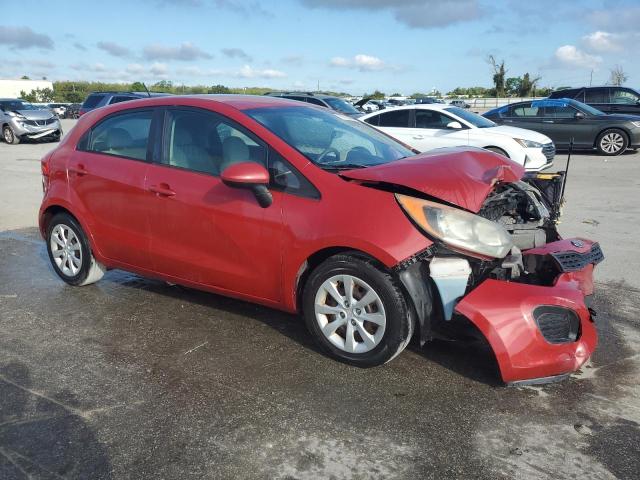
point(45, 169)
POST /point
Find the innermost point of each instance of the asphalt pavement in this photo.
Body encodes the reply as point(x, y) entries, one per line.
point(134, 378)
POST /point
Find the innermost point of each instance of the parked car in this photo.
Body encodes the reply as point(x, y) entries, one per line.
point(459, 103)
point(328, 101)
point(428, 100)
point(58, 109)
point(430, 126)
point(609, 99)
point(564, 120)
point(101, 99)
point(72, 111)
point(292, 206)
point(21, 120)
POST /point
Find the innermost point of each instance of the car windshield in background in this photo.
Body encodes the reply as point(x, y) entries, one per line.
point(19, 105)
point(329, 140)
point(473, 118)
point(341, 106)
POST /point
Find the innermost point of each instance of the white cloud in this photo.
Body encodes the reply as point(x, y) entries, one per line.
point(362, 62)
point(135, 68)
point(249, 72)
point(602, 42)
point(571, 56)
point(185, 52)
point(159, 69)
point(339, 62)
point(368, 62)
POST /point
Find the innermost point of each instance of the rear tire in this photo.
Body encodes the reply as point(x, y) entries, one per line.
point(612, 142)
point(70, 253)
point(10, 137)
point(369, 323)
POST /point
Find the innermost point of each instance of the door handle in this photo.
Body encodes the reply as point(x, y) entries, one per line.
point(79, 170)
point(162, 190)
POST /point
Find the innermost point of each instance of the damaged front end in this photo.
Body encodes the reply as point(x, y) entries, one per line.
point(529, 304)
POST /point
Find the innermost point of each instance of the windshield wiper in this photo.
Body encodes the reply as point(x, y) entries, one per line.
point(342, 166)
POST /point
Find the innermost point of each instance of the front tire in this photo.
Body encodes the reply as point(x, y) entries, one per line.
point(70, 253)
point(10, 137)
point(612, 142)
point(356, 311)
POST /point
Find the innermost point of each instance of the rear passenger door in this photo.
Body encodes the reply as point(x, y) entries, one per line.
point(524, 115)
point(107, 181)
point(202, 231)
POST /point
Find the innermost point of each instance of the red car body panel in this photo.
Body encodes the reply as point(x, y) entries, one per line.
point(460, 176)
point(503, 311)
point(191, 228)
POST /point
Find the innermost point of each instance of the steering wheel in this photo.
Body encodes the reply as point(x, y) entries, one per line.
point(326, 152)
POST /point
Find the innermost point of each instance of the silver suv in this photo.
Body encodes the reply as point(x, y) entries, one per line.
point(21, 120)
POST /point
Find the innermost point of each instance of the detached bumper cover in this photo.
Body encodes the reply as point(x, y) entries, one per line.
point(504, 313)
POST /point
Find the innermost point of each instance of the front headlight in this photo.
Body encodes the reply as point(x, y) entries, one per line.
point(528, 143)
point(636, 124)
point(17, 115)
point(460, 229)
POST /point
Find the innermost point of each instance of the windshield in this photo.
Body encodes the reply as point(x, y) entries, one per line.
point(330, 140)
point(341, 105)
point(13, 105)
point(473, 118)
point(588, 109)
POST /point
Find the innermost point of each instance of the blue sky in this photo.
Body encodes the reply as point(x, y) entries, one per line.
point(347, 45)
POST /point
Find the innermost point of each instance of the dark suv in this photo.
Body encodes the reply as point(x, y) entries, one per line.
point(328, 101)
point(100, 99)
point(606, 99)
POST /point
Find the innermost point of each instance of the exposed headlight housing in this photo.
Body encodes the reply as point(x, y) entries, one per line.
point(636, 124)
point(528, 143)
point(457, 228)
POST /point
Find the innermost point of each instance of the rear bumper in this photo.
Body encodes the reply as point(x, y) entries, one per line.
point(504, 312)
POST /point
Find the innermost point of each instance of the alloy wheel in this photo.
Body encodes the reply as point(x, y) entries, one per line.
point(612, 142)
point(66, 250)
point(350, 314)
point(8, 135)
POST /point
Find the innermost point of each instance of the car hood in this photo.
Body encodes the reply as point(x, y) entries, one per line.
point(36, 114)
point(461, 176)
point(515, 132)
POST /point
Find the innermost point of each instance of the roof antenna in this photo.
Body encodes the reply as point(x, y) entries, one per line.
point(566, 171)
point(146, 89)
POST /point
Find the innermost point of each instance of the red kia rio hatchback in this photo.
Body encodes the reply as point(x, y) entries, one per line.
point(298, 208)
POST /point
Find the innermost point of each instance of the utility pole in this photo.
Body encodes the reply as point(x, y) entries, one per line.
point(318, 90)
point(591, 78)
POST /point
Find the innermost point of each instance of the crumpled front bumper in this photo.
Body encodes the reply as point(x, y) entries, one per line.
point(23, 129)
point(504, 312)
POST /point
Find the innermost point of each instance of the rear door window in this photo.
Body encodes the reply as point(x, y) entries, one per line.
point(395, 118)
point(123, 135)
point(524, 110)
point(596, 95)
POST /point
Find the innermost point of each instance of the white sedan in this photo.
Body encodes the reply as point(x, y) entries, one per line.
point(429, 126)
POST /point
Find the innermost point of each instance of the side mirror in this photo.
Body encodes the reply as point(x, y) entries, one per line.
point(579, 116)
point(454, 126)
point(252, 176)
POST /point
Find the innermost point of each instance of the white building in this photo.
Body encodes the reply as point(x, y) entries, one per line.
point(12, 88)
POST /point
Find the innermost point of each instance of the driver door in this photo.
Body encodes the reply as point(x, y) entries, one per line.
point(203, 231)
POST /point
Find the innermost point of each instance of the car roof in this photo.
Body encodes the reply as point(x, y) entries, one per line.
point(300, 94)
point(239, 102)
